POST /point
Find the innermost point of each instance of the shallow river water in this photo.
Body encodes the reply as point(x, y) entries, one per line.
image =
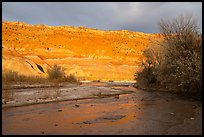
point(138, 113)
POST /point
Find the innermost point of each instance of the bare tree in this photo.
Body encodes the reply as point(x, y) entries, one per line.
point(177, 63)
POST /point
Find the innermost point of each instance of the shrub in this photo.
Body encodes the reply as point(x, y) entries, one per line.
point(147, 78)
point(176, 66)
point(10, 76)
point(56, 73)
point(71, 78)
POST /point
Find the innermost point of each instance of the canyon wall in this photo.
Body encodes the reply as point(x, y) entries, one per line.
point(89, 54)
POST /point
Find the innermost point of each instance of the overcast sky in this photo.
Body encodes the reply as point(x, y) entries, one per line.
point(133, 16)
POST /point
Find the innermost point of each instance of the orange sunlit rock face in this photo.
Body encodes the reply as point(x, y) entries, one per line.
point(89, 54)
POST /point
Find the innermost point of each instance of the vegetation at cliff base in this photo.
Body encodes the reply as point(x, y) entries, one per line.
point(174, 64)
point(55, 74)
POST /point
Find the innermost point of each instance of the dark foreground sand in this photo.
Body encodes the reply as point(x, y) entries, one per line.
point(139, 113)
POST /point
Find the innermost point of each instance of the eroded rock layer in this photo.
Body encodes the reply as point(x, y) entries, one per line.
point(89, 54)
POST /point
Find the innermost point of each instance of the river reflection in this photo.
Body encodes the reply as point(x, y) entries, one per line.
point(140, 113)
point(69, 117)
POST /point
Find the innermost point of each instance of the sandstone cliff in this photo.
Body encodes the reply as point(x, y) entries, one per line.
point(89, 54)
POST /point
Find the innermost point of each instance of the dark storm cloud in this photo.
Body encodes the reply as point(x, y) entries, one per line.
point(134, 16)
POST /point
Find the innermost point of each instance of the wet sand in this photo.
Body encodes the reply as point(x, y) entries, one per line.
point(138, 113)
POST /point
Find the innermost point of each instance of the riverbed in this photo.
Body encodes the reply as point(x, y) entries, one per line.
point(101, 109)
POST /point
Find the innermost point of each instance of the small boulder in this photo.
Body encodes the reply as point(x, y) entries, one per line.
point(76, 105)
